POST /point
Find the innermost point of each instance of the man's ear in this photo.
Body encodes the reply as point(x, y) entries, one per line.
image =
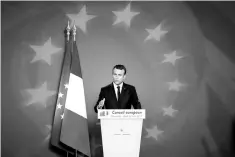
point(124, 77)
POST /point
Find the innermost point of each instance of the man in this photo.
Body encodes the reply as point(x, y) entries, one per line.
point(118, 95)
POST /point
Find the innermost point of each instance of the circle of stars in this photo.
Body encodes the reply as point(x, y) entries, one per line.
point(125, 16)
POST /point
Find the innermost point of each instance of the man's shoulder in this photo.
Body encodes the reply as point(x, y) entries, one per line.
point(129, 86)
point(106, 87)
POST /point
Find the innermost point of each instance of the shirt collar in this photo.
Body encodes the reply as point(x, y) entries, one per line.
point(115, 86)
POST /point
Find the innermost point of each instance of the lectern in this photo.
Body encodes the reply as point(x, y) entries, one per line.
point(121, 132)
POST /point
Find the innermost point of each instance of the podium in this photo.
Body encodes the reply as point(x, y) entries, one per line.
point(121, 132)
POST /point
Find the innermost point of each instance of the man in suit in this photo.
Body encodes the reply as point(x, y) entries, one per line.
point(118, 95)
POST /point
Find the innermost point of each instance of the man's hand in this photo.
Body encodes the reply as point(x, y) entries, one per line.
point(101, 104)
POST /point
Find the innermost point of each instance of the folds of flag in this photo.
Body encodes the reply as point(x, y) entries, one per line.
point(70, 127)
point(59, 109)
point(74, 128)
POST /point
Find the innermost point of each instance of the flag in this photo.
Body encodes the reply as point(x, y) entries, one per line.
point(74, 129)
point(59, 109)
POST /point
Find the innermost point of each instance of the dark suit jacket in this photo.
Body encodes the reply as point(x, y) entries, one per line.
point(128, 97)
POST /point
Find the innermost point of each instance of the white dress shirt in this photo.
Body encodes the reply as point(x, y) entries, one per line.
point(116, 89)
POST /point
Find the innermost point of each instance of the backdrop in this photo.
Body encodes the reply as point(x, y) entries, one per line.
point(178, 55)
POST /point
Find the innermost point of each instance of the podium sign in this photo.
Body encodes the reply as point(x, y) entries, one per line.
point(121, 132)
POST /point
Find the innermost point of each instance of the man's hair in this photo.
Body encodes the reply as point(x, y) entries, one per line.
point(120, 67)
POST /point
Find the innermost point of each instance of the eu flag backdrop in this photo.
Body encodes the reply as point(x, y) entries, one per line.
point(179, 56)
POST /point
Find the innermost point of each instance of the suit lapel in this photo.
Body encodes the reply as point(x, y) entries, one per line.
point(113, 92)
point(123, 90)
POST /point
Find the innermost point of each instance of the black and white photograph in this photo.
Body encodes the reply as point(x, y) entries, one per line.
point(117, 78)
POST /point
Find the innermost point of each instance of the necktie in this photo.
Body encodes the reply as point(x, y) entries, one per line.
point(119, 93)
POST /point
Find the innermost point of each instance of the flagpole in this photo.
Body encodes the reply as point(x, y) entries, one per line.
point(74, 32)
point(74, 39)
point(68, 36)
point(68, 31)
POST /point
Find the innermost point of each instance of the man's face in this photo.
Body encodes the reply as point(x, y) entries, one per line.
point(118, 76)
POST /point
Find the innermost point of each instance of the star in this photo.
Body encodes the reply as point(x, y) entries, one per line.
point(62, 116)
point(48, 128)
point(81, 18)
point(156, 33)
point(169, 111)
point(66, 86)
point(44, 52)
point(154, 133)
point(60, 95)
point(175, 86)
point(59, 106)
point(124, 16)
point(39, 95)
point(171, 58)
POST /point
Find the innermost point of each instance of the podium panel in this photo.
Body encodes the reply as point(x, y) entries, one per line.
point(121, 132)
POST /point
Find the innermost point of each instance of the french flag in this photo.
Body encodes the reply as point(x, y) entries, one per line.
point(74, 128)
